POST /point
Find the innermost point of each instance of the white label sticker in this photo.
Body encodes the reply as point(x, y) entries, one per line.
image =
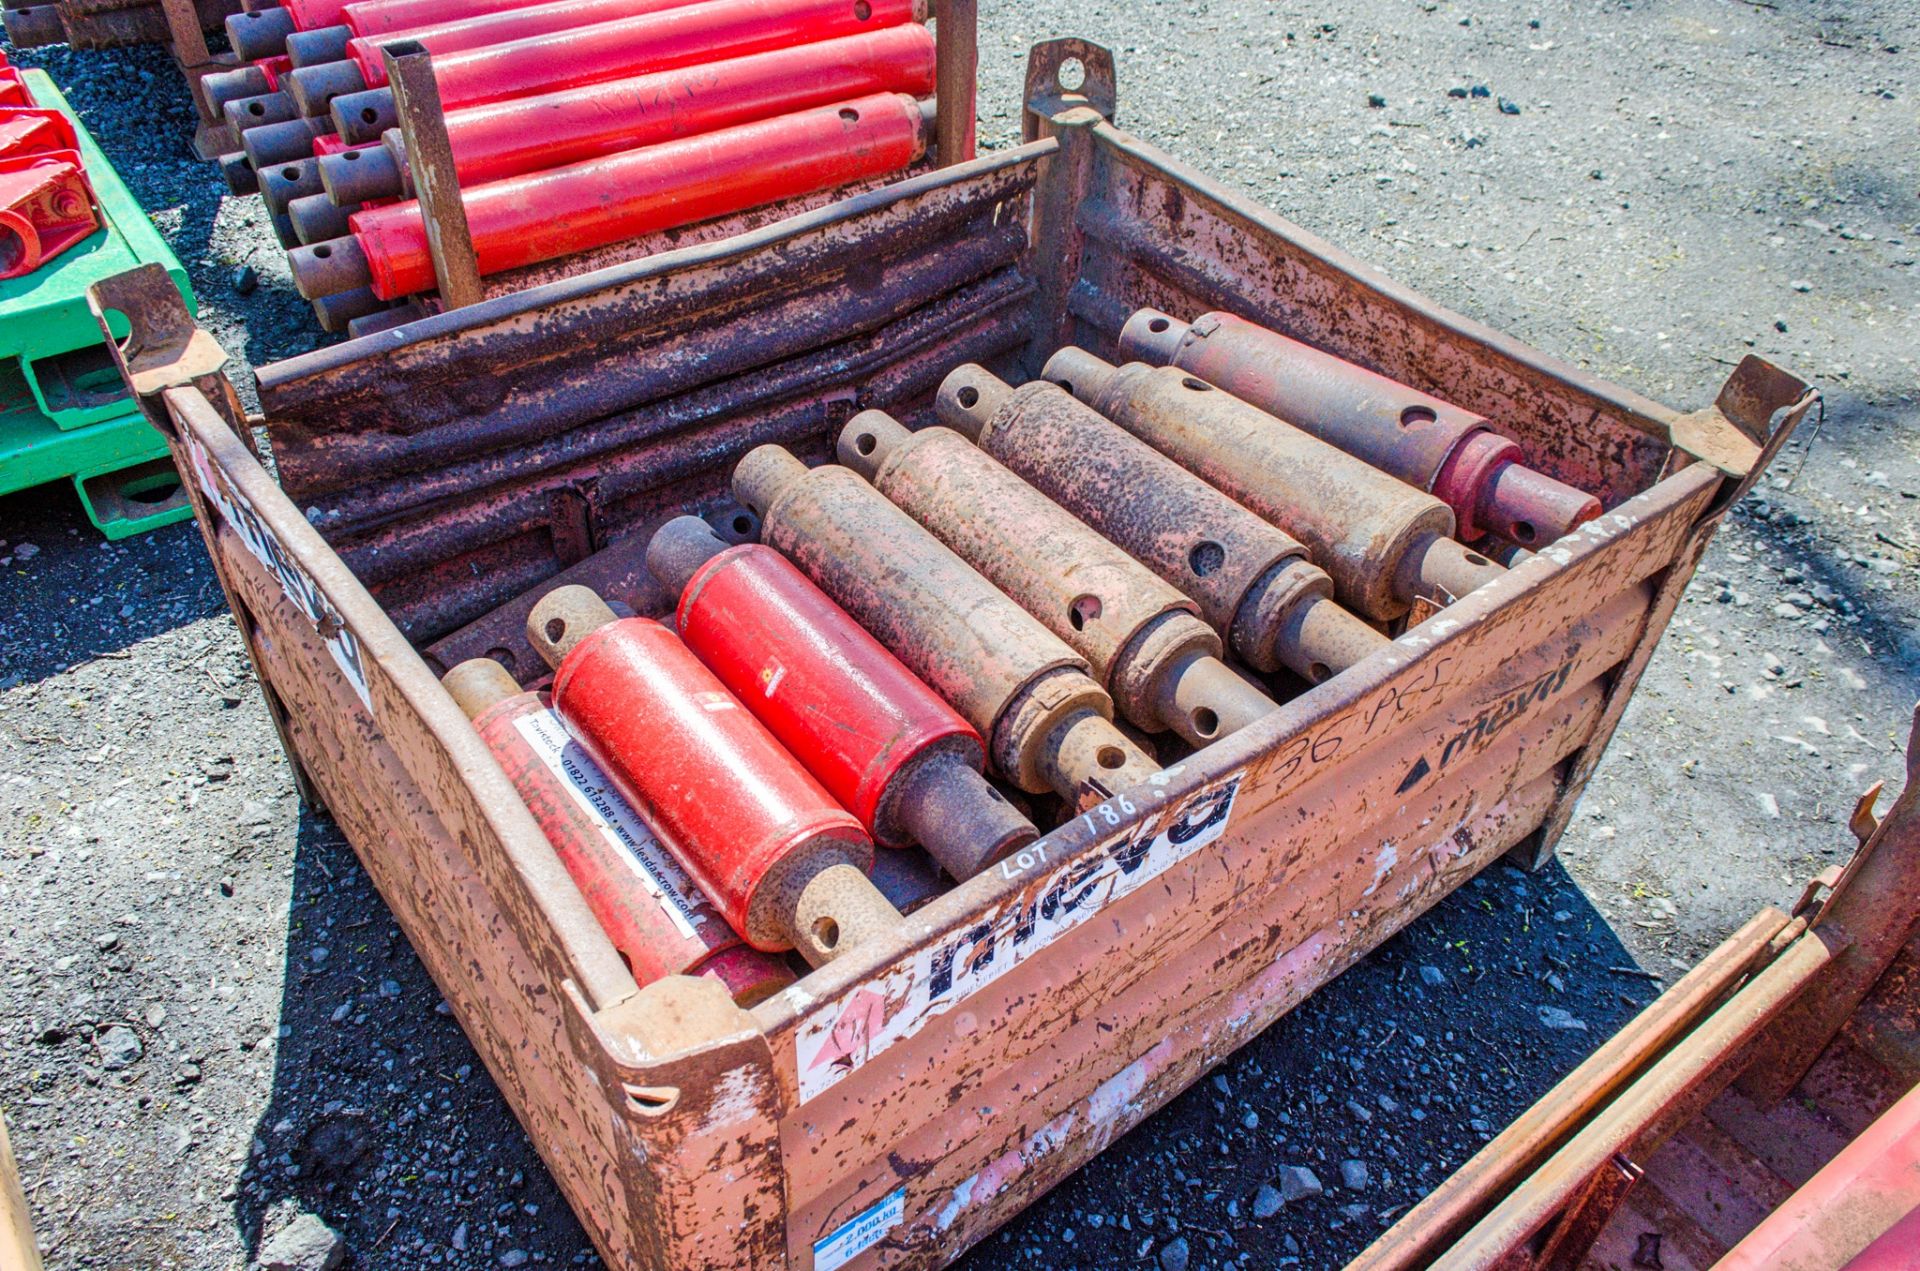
point(615, 818)
point(899, 1003)
point(861, 1233)
point(298, 585)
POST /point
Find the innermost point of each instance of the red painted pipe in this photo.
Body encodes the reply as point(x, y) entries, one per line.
point(656, 917)
point(503, 27)
point(882, 742)
point(529, 134)
point(552, 214)
point(371, 18)
point(747, 821)
point(685, 36)
point(1424, 441)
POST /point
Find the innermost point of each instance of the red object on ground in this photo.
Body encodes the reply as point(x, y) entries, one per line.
point(551, 214)
point(717, 788)
point(273, 68)
point(502, 27)
point(685, 36)
point(13, 89)
point(46, 206)
point(26, 130)
point(331, 144)
point(528, 134)
point(830, 692)
point(655, 915)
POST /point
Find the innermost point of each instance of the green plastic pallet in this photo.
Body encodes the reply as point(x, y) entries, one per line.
point(45, 325)
point(119, 467)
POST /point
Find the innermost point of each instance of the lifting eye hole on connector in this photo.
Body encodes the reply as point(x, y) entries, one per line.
point(1083, 610)
point(865, 443)
point(367, 115)
point(1524, 532)
point(827, 932)
point(1111, 757)
point(353, 156)
point(862, 10)
point(848, 115)
point(743, 524)
point(1205, 722)
point(969, 396)
point(1072, 74)
point(1198, 386)
point(1206, 558)
point(1415, 416)
point(555, 629)
point(1158, 325)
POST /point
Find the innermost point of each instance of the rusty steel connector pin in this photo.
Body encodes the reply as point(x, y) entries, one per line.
point(318, 46)
point(1047, 724)
point(287, 142)
point(243, 114)
point(317, 218)
point(354, 176)
point(787, 865)
point(1143, 638)
point(237, 171)
point(1384, 542)
point(1253, 581)
point(880, 740)
point(314, 88)
point(222, 87)
point(282, 183)
point(329, 268)
point(364, 117)
point(259, 34)
point(1426, 442)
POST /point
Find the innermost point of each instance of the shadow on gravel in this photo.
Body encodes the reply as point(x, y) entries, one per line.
point(69, 596)
point(381, 1119)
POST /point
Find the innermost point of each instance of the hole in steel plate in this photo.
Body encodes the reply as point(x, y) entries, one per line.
point(652, 1100)
point(1072, 74)
point(1111, 757)
point(1206, 557)
point(1205, 722)
point(969, 397)
point(1414, 416)
point(849, 115)
point(1083, 610)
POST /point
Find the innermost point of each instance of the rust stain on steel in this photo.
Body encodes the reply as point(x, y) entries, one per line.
point(1092, 595)
point(1190, 534)
point(787, 324)
point(1359, 524)
point(583, 333)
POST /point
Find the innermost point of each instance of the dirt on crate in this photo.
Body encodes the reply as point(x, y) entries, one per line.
point(212, 1024)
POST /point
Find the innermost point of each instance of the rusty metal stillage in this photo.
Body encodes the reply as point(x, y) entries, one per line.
point(900, 1102)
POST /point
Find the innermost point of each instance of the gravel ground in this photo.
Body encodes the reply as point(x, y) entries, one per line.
point(212, 1022)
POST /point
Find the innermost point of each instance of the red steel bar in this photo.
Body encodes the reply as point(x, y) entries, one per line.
point(881, 741)
point(503, 27)
point(1426, 442)
point(263, 33)
point(654, 914)
point(548, 215)
point(529, 134)
point(786, 864)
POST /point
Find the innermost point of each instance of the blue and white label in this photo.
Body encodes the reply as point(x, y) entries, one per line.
point(653, 868)
point(860, 1233)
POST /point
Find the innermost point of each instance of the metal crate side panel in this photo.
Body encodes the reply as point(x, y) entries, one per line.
point(501, 993)
point(1153, 231)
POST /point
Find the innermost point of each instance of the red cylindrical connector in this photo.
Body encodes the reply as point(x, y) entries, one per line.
point(500, 27)
point(528, 134)
point(881, 741)
point(654, 914)
point(552, 214)
point(686, 36)
point(784, 862)
point(1417, 437)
